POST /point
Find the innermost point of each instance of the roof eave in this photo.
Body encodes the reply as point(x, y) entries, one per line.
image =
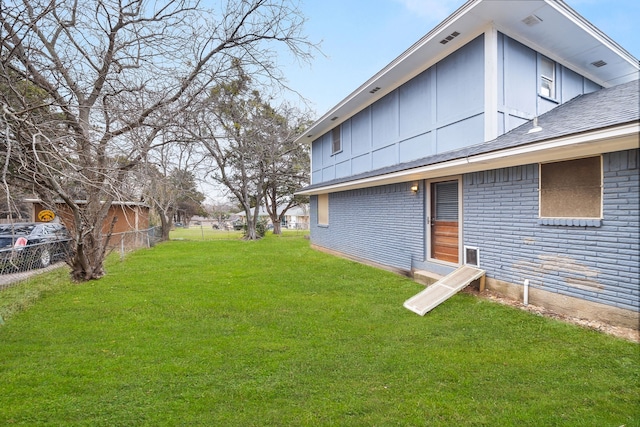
point(361, 97)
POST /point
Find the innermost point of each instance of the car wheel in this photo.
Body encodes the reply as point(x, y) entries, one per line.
point(44, 257)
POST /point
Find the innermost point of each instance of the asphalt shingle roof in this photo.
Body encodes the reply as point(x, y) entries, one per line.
point(605, 108)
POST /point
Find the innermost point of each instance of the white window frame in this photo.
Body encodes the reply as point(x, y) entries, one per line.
point(550, 81)
point(323, 209)
point(336, 140)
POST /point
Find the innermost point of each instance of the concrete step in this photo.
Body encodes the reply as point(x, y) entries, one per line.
point(426, 278)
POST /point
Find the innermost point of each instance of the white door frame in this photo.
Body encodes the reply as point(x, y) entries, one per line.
point(428, 198)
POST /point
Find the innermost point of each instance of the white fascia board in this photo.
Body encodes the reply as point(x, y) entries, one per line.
point(587, 144)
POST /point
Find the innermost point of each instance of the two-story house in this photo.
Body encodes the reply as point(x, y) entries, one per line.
point(507, 138)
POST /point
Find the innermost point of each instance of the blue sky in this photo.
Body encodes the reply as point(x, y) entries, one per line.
point(360, 37)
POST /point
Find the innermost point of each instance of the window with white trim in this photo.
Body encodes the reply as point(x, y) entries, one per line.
point(547, 77)
point(336, 143)
point(323, 209)
point(571, 188)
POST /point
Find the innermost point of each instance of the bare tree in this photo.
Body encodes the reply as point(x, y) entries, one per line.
point(112, 76)
point(253, 146)
point(168, 178)
point(229, 126)
point(286, 164)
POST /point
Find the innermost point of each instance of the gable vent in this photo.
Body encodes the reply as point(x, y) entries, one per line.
point(449, 37)
point(374, 90)
point(532, 20)
point(599, 63)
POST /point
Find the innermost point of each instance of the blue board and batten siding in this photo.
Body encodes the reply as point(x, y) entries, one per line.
point(430, 114)
point(441, 109)
point(386, 224)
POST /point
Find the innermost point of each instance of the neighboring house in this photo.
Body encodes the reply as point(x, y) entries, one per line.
point(296, 218)
point(130, 221)
point(506, 138)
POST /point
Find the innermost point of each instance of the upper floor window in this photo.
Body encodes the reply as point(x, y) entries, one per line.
point(336, 144)
point(547, 77)
point(571, 189)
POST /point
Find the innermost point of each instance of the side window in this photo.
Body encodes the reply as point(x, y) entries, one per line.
point(323, 209)
point(547, 77)
point(571, 189)
point(336, 143)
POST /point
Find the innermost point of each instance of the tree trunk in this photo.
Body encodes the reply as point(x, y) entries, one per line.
point(87, 262)
point(252, 221)
point(277, 227)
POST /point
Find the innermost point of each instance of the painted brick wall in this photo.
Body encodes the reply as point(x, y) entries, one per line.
point(383, 224)
point(599, 264)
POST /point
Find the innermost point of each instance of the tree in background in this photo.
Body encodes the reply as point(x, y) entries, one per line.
point(169, 182)
point(252, 145)
point(220, 213)
point(189, 202)
point(228, 124)
point(112, 76)
point(286, 165)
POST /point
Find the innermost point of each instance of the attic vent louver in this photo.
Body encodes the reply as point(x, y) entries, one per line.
point(449, 37)
point(334, 118)
point(532, 20)
point(374, 90)
point(599, 63)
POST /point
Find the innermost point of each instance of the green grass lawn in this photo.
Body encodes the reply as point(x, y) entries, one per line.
point(271, 333)
point(202, 232)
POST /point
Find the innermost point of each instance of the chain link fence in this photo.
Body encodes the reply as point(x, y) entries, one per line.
point(18, 263)
point(207, 232)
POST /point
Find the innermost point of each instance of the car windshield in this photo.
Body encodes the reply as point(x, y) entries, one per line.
point(20, 230)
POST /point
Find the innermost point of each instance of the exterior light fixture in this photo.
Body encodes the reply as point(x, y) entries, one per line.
point(414, 188)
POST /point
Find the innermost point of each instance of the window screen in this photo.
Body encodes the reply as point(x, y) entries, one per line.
point(571, 189)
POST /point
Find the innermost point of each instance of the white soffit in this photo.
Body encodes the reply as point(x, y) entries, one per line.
point(561, 34)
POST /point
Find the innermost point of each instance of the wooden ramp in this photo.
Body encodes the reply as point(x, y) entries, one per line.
point(444, 289)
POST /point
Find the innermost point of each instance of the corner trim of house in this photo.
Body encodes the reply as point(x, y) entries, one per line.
point(569, 306)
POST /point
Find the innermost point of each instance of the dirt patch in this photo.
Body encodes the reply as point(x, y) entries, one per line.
point(620, 332)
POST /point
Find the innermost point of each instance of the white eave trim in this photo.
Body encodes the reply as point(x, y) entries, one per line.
point(607, 140)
